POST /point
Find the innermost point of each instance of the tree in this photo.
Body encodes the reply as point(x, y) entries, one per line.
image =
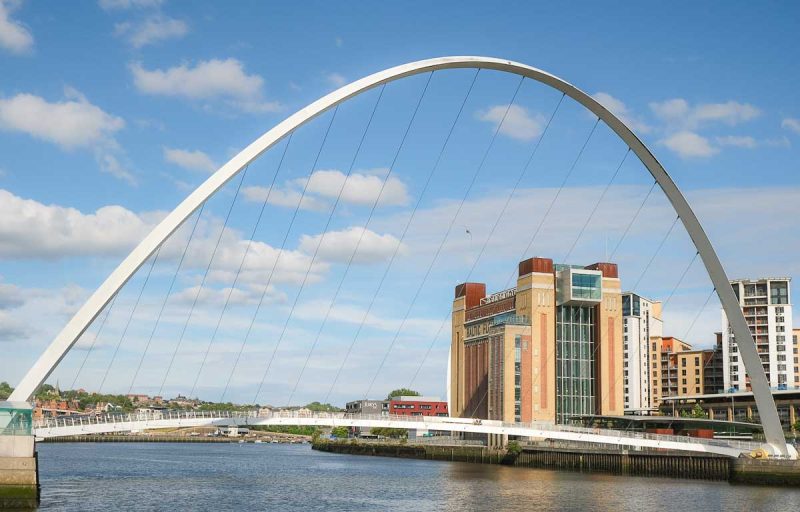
point(318, 407)
point(394, 433)
point(340, 432)
point(513, 447)
point(698, 412)
point(5, 390)
point(402, 392)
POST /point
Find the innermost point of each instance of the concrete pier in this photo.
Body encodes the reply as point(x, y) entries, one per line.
point(19, 470)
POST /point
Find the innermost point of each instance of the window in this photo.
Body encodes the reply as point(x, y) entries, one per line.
point(779, 292)
point(586, 286)
point(697, 361)
point(683, 372)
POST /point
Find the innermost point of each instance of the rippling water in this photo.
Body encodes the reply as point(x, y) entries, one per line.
point(144, 476)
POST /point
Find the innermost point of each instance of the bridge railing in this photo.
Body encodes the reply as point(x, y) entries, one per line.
point(430, 422)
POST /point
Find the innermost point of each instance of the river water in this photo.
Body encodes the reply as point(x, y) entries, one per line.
point(221, 477)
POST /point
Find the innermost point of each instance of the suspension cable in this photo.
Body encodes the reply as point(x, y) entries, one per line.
point(699, 313)
point(277, 260)
point(680, 280)
point(658, 250)
point(96, 336)
point(444, 239)
point(203, 281)
point(308, 271)
point(358, 242)
point(633, 219)
point(596, 205)
point(402, 237)
point(130, 317)
point(555, 198)
point(324, 233)
point(166, 297)
point(520, 177)
point(241, 266)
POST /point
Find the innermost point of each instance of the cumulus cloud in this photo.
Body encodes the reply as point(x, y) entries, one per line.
point(151, 30)
point(234, 296)
point(619, 109)
point(519, 123)
point(689, 144)
point(128, 4)
point(207, 80)
point(71, 123)
point(14, 37)
point(191, 160)
point(679, 113)
point(791, 124)
point(29, 229)
point(338, 246)
point(361, 188)
point(284, 196)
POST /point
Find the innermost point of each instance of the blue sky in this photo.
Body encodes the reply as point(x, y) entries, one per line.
point(111, 112)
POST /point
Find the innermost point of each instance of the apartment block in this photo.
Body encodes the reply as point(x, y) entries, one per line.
point(767, 308)
point(641, 323)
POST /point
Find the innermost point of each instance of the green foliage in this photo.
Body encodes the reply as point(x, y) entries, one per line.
point(402, 392)
point(394, 433)
point(340, 432)
point(797, 427)
point(5, 390)
point(288, 429)
point(513, 447)
point(698, 412)
point(227, 406)
point(318, 407)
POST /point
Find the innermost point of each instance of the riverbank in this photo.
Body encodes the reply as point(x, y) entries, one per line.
point(618, 462)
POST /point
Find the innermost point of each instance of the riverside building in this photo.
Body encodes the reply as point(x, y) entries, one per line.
point(546, 350)
point(642, 331)
point(768, 310)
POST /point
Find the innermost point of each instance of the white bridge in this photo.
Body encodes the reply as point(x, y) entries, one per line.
point(75, 426)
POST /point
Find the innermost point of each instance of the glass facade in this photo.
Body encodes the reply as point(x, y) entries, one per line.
point(14, 421)
point(631, 305)
point(586, 286)
point(575, 344)
point(779, 292)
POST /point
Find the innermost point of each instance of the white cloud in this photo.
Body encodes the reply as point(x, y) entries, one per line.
point(690, 145)
point(678, 113)
point(335, 79)
point(128, 4)
point(10, 296)
point(619, 109)
point(14, 37)
point(791, 124)
point(234, 296)
point(71, 123)
point(338, 246)
point(360, 188)
point(518, 124)
point(286, 196)
point(737, 141)
point(191, 160)
point(29, 229)
point(212, 79)
point(152, 30)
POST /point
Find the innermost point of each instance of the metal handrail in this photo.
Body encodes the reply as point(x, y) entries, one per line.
point(244, 417)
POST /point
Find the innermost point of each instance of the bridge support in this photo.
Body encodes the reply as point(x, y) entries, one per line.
point(19, 472)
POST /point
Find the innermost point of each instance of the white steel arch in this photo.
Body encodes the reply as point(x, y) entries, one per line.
point(100, 298)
